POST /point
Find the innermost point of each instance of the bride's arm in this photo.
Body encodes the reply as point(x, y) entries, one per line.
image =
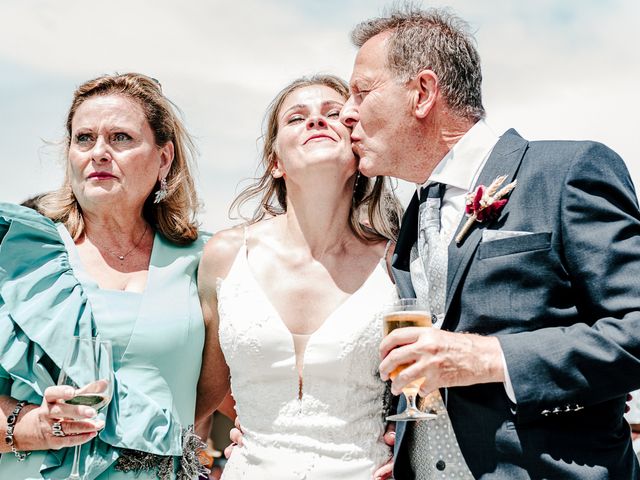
point(216, 261)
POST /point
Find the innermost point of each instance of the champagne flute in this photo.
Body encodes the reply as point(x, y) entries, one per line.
point(407, 312)
point(88, 368)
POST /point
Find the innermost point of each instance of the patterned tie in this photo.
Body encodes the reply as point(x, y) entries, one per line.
point(433, 449)
point(432, 248)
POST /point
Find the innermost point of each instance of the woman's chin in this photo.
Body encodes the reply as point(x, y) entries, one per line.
point(103, 197)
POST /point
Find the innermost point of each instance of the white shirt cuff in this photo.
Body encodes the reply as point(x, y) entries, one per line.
point(508, 387)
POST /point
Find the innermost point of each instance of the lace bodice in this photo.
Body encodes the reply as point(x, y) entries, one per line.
point(330, 425)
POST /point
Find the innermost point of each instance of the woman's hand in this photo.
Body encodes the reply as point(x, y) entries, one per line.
point(34, 429)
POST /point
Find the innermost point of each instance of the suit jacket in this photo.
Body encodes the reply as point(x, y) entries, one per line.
point(564, 302)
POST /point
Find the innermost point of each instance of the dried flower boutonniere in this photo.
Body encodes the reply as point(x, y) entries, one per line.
point(485, 203)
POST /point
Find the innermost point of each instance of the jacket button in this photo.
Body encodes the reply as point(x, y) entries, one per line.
point(440, 465)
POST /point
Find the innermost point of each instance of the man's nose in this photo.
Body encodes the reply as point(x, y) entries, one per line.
point(349, 113)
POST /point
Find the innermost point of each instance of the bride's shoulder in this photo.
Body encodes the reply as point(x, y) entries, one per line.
point(225, 242)
point(220, 251)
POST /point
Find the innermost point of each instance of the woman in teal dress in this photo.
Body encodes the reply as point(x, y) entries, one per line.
point(115, 256)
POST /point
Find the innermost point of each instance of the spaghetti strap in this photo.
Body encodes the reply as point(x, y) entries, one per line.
point(386, 260)
point(386, 249)
point(245, 234)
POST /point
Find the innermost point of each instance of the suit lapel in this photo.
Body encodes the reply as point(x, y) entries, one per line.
point(402, 255)
point(407, 236)
point(504, 160)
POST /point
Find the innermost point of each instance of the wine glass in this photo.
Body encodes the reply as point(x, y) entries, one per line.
point(88, 368)
point(407, 312)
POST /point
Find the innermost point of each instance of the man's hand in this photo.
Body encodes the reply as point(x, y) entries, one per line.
point(444, 359)
point(385, 471)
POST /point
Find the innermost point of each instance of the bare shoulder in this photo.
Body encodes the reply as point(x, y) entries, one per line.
point(219, 253)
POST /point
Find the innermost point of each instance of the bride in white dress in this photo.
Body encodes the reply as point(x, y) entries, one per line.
point(291, 301)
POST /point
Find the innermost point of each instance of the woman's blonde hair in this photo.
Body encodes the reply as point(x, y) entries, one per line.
point(175, 216)
point(375, 210)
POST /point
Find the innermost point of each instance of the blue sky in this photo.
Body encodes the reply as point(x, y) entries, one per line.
point(552, 69)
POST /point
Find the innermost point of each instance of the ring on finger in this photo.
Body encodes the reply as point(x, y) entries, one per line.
point(56, 430)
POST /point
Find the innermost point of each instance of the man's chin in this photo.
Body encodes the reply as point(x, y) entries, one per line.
point(367, 168)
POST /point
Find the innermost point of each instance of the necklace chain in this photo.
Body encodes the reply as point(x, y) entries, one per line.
point(125, 255)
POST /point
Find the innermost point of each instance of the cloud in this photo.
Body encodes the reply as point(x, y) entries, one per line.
point(552, 69)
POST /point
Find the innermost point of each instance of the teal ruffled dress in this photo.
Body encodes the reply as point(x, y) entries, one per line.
point(158, 336)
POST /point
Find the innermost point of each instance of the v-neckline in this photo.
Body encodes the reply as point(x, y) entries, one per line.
point(81, 272)
point(243, 253)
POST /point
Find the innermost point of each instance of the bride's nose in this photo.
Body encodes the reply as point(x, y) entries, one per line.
point(316, 121)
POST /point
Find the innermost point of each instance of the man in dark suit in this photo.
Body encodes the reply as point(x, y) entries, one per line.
point(538, 337)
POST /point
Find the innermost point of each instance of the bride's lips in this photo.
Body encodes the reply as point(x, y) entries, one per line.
point(314, 137)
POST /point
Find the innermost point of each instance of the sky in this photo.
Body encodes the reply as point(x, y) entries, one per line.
point(553, 69)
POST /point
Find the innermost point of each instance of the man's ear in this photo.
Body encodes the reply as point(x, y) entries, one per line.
point(426, 87)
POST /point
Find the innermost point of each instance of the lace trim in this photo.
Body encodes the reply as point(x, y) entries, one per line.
point(189, 466)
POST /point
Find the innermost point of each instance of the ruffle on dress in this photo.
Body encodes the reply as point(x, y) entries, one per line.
point(42, 305)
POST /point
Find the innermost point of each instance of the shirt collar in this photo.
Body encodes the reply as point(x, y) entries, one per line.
point(459, 167)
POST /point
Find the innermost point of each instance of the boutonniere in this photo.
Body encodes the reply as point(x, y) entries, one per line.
point(485, 203)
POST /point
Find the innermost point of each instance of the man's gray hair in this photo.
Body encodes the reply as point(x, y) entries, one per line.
point(433, 39)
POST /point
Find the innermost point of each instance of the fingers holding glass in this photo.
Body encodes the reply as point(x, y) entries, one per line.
point(403, 316)
point(88, 370)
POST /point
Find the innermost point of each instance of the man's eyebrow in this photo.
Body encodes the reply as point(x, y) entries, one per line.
point(358, 84)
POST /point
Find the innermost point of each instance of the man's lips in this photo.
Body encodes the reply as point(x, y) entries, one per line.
point(316, 137)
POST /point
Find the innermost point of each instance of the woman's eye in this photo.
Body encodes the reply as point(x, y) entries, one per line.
point(83, 138)
point(295, 119)
point(333, 114)
point(121, 137)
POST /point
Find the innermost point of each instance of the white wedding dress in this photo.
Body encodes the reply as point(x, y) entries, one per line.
point(329, 423)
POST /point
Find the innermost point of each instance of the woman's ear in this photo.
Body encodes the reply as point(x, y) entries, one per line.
point(167, 153)
point(426, 87)
point(276, 171)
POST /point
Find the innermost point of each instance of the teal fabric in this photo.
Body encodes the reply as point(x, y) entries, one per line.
point(158, 335)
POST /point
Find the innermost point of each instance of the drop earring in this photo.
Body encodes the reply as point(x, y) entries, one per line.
point(162, 192)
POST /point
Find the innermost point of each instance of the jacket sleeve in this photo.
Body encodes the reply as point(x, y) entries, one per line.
point(597, 357)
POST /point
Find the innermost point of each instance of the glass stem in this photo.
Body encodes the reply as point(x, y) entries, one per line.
point(411, 397)
point(75, 470)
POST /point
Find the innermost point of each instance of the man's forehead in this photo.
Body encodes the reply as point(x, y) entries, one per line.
point(371, 59)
